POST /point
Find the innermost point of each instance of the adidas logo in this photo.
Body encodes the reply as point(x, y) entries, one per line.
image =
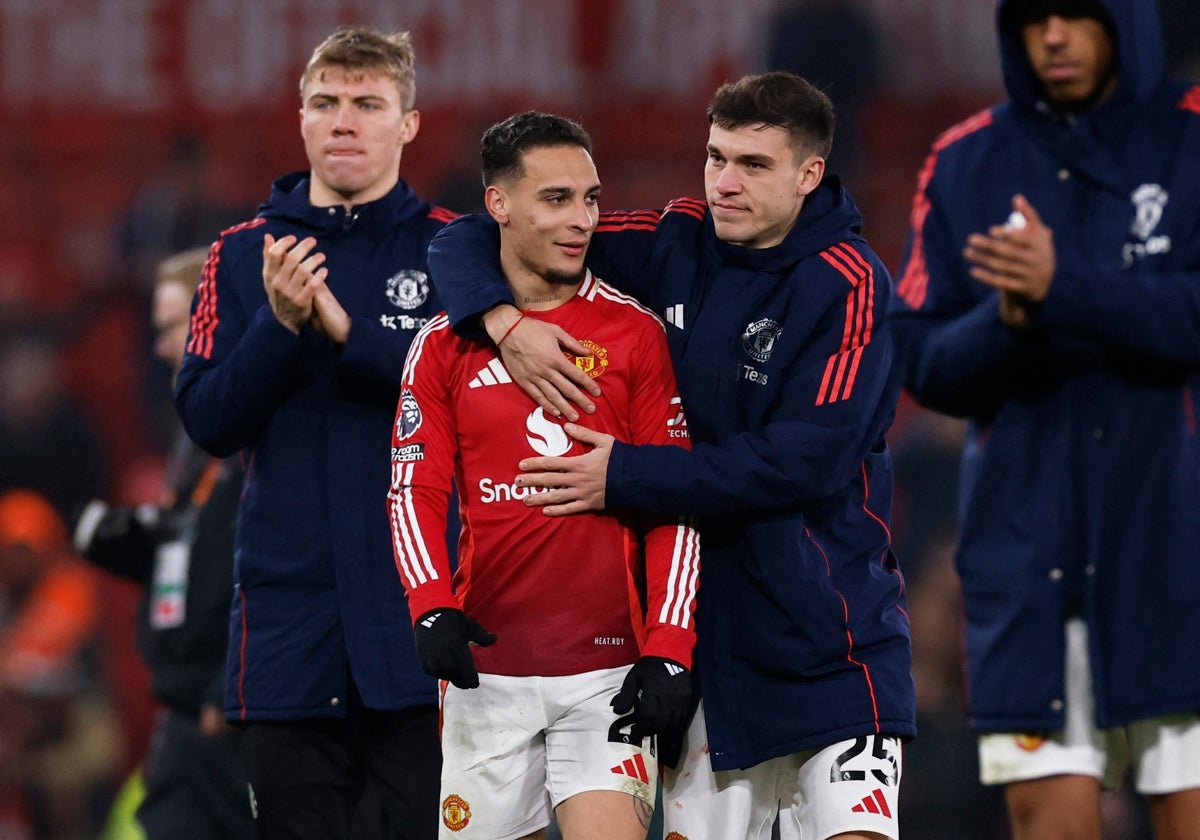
point(674, 315)
point(493, 374)
point(427, 623)
point(673, 669)
point(873, 804)
point(634, 768)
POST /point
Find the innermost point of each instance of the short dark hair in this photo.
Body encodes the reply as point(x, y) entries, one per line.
point(504, 144)
point(1016, 13)
point(779, 99)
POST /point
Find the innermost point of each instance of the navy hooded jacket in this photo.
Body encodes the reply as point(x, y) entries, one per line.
point(783, 360)
point(317, 596)
point(1081, 490)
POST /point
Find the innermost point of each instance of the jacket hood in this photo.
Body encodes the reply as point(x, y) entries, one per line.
point(829, 216)
point(289, 200)
point(1139, 53)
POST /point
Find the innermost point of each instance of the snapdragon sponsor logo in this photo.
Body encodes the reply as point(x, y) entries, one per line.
point(491, 491)
point(546, 438)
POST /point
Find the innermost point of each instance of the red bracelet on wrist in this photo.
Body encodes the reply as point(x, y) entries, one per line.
point(510, 329)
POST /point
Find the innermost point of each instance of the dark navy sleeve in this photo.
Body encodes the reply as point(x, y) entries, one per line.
point(237, 368)
point(1152, 313)
point(464, 265)
point(464, 262)
point(953, 352)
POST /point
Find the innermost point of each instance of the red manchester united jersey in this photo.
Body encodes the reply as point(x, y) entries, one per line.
point(563, 595)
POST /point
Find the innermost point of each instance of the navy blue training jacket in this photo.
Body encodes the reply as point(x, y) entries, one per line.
point(784, 363)
point(1081, 491)
point(317, 596)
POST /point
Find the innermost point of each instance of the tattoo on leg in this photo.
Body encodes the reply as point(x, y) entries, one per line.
point(644, 811)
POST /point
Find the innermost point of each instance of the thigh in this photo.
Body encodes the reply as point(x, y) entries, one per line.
point(1165, 753)
point(196, 785)
point(582, 753)
point(493, 783)
point(603, 815)
point(403, 760)
point(730, 804)
point(1065, 806)
point(852, 786)
point(305, 778)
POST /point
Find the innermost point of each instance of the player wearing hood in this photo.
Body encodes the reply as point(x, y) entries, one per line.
point(1049, 292)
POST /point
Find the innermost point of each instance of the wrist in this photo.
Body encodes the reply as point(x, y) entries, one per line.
point(498, 320)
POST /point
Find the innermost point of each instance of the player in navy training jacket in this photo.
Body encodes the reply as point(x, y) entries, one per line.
point(297, 342)
point(1070, 338)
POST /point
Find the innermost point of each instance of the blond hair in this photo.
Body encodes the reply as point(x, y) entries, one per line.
point(361, 49)
point(184, 267)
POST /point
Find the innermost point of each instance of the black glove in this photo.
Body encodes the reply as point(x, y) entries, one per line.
point(658, 692)
point(120, 539)
point(443, 645)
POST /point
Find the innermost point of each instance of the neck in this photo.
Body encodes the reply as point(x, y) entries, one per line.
point(533, 292)
point(321, 194)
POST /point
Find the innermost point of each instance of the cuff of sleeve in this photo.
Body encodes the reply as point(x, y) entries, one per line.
point(1067, 288)
point(670, 642)
point(430, 596)
point(272, 338)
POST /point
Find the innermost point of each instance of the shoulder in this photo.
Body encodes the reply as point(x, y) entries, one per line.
point(619, 306)
point(847, 274)
point(966, 146)
point(685, 211)
point(971, 127)
point(435, 331)
point(437, 217)
point(241, 239)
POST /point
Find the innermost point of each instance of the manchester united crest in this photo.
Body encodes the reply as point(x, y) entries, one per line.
point(594, 363)
point(408, 289)
point(456, 813)
point(758, 339)
point(1030, 741)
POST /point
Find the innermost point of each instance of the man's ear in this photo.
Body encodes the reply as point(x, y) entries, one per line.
point(412, 124)
point(496, 202)
point(810, 174)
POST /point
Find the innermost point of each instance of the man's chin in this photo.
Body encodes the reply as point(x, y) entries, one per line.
point(562, 277)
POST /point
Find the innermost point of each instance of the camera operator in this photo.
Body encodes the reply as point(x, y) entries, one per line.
point(181, 551)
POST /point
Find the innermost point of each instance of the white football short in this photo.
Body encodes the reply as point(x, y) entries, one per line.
point(1161, 750)
point(516, 747)
point(850, 786)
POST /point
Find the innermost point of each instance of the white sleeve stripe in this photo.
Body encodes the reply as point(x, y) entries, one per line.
point(681, 582)
point(410, 547)
point(438, 322)
point(606, 291)
point(394, 510)
point(426, 570)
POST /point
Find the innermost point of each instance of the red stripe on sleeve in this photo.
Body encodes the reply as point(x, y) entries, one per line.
point(914, 284)
point(841, 371)
point(441, 214)
point(204, 319)
point(1191, 100)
